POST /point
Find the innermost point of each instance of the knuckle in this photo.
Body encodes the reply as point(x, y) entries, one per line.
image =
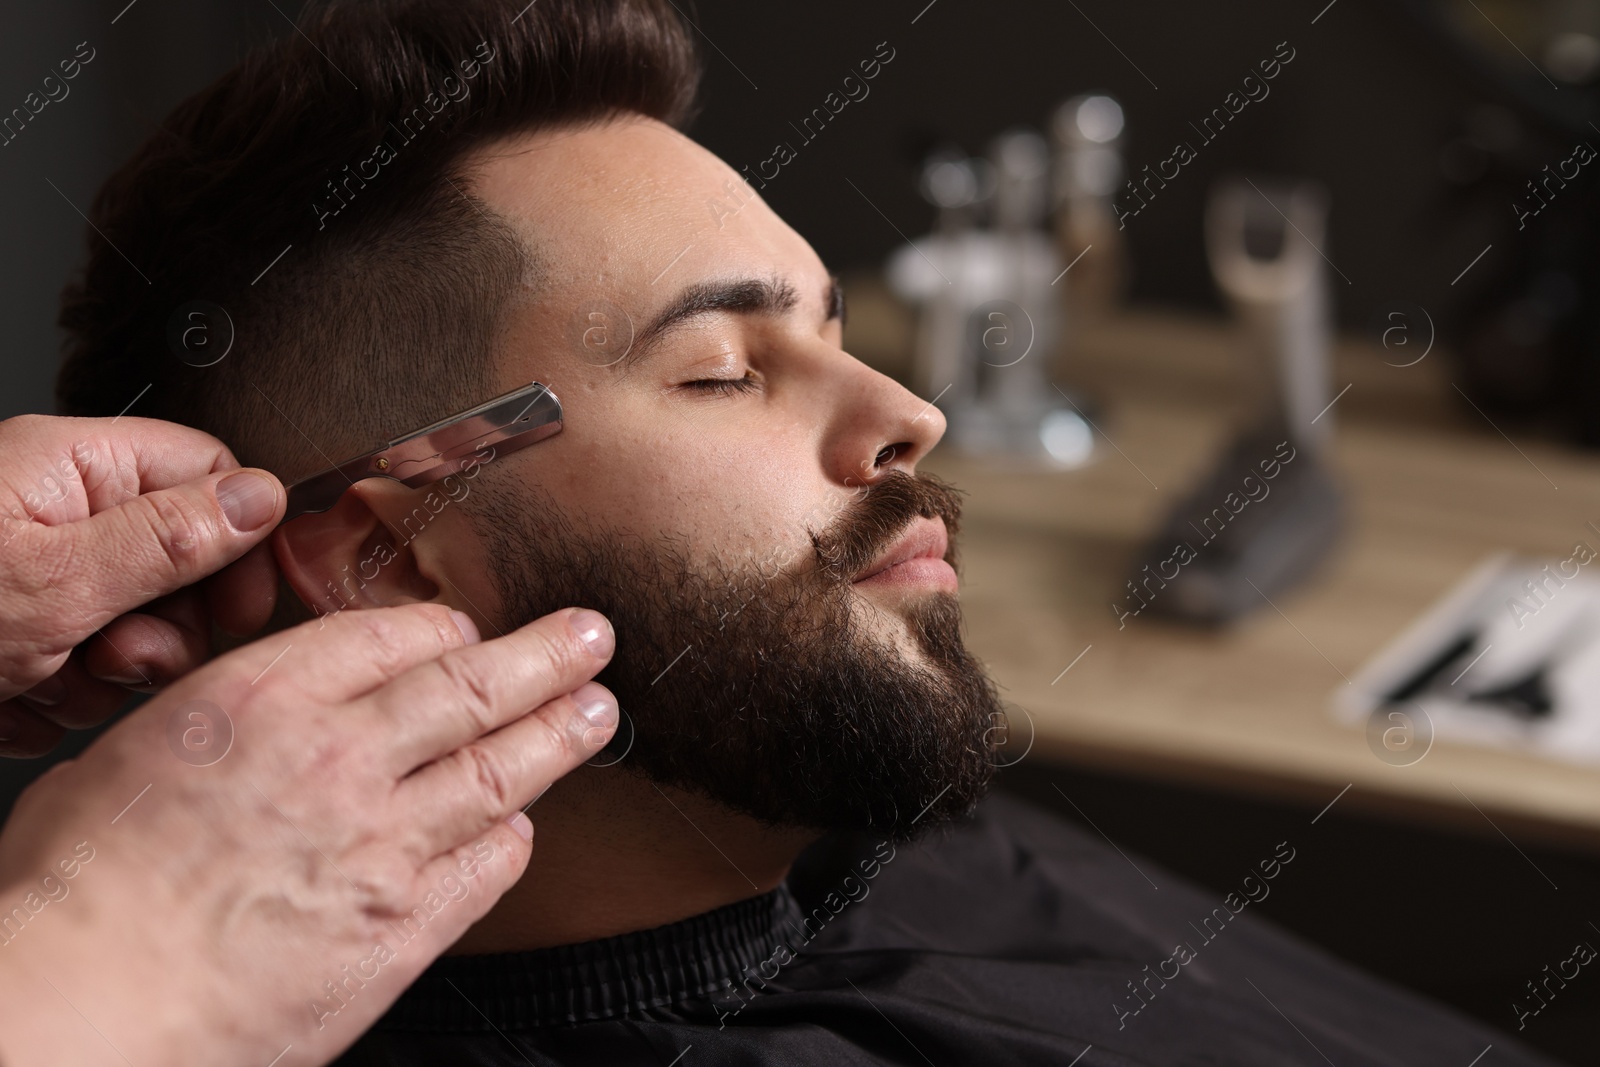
point(491, 776)
point(439, 617)
point(554, 643)
point(559, 734)
point(474, 688)
point(386, 880)
point(385, 640)
point(175, 525)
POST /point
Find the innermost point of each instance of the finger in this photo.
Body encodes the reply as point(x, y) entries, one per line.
point(477, 785)
point(119, 459)
point(455, 699)
point(487, 865)
point(73, 698)
point(152, 648)
point(112, 460)
point(341, 657)
point(23, 734)
point(243, 594)
point(156, 543)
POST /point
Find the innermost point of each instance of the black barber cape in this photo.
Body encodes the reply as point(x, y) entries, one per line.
point(1014, 939)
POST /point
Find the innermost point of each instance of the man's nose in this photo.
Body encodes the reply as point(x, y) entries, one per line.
point(880, 426)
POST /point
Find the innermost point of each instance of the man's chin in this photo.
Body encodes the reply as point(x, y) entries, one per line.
point(899, 618)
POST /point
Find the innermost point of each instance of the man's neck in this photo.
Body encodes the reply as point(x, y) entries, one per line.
point(614, 853)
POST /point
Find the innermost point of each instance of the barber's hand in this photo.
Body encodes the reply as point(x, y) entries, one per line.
point(98, 518)
point(355, 824)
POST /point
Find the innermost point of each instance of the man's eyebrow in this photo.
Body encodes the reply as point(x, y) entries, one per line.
point(744, 296)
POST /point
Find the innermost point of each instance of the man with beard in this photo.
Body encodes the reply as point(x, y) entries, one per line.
point(507, 198)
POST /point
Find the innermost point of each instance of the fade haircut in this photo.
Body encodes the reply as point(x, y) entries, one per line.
point(342, 148)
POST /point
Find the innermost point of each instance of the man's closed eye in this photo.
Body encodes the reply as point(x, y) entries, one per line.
point(725, 386)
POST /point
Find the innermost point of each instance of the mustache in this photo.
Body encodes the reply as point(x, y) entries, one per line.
point(872, 522)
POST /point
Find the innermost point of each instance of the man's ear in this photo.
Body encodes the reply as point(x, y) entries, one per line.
point(349, 557)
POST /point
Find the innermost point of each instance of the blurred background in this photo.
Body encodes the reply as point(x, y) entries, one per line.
point(1129, 249)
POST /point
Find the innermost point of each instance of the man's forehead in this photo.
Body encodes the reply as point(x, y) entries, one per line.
point(640, 210)
point(625, 174)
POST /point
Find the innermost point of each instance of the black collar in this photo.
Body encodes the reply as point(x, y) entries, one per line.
point(617, 976)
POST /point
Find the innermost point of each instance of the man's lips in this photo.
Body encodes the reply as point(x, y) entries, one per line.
point(915, 557)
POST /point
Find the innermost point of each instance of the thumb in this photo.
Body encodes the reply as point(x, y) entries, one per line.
point(159, 542)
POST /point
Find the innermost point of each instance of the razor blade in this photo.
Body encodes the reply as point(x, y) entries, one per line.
point(505, 424)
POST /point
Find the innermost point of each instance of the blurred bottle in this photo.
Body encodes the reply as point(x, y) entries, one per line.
point(1016, 332)
point(989, 322)
point(1086, 132)
point(932, 274)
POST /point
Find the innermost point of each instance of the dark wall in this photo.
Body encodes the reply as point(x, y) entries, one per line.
point(1364, 107)
point(154, 55)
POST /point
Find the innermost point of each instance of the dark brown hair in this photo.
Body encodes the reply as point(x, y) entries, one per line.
point(339, 148)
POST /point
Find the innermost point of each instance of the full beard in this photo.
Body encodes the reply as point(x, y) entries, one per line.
point(758, 685)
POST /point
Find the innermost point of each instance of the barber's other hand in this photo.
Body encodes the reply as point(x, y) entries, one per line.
point(99, 518)
point(286, 894)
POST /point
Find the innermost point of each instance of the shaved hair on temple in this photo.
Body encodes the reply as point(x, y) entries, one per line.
point(317, 194)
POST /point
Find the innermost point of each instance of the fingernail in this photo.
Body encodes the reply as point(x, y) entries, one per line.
point(521, 824)
point(129, 677)
point(594, 631)
point(468, 628)
point(596, 704)
point(248, 500)
point(47, 693)
point(9, 726)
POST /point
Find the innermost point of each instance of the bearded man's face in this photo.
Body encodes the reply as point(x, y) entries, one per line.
point(729, 489)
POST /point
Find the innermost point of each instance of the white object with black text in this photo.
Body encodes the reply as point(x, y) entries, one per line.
point(1510, 657)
